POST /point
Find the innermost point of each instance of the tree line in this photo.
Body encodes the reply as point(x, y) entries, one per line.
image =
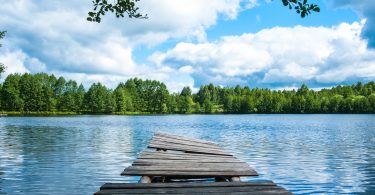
point(46, 93)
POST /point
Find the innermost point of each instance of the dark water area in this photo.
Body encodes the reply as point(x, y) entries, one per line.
point(306, 154)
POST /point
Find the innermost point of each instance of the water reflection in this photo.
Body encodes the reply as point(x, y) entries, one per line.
point(330, 154)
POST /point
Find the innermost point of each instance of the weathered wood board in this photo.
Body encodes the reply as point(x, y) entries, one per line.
point(175, 157)
point(186, 157)
point(232, 188)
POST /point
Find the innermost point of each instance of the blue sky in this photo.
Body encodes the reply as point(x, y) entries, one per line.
point(189, 43)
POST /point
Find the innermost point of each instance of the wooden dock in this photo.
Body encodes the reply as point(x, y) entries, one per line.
point(180, 165)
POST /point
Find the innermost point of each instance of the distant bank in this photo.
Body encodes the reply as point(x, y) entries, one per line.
point(43, 94)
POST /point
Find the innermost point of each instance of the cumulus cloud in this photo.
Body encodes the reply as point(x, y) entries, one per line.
point(366, 9)
point(17, 59)
point(54, 36)
point(280, 56)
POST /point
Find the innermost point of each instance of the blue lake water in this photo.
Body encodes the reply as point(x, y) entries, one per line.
point(327, 154)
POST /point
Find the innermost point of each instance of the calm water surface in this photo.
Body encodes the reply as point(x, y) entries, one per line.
point(322, 154)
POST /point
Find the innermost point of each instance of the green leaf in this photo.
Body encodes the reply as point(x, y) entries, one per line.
point(285, 2)
point(316, 9)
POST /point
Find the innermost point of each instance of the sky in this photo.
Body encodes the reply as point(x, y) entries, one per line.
point(255, 43)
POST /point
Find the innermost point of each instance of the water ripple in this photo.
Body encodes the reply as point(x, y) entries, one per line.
point(307, 154)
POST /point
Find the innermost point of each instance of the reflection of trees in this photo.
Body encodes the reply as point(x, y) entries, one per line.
point(37, 141)
point(70, 154)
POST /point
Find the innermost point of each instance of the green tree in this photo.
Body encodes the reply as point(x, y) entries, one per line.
point(31, 92)
point(361, 104)
point(109, 102)
point(119, 95)
point(336, 103)
point(79, 98)
point(185, 104)
point(228, 104)
point(298, 103)
point(58, 90)
point(99, 99)
point(48, 102)
point(172, 105)
point(347, 105)
point(10, 93)
point(122, 99)
point(248, 105)
point(207, 106)
point(134, 92)
point(371, 99)
point(43, 92)
point(161, 97)
point(186, 91)
point(197, 107)
point(69, 97)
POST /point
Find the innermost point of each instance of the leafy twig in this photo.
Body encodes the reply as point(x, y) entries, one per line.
point(121, 8)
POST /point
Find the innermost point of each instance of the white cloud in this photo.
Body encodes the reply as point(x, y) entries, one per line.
point(366, 9)
point(278, 56)
point(54, 36)
point(35, 65)
point(14, 62)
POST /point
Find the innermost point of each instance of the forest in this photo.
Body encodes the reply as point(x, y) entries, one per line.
point(46, 94)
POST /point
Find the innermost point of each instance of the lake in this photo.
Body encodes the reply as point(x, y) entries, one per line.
point(328, 154)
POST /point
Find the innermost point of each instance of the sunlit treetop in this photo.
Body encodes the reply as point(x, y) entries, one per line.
point(129, 8)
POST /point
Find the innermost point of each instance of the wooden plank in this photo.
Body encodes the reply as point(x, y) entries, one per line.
point(190, 174)
point(152, 151)
point(168, 161)
point(195, 142)
point(202, 164)
point(205, 162)
point(256, 192)
point(222, 190)
point(174, 136)
point(179, 185)
point(182, 154)
point(193, 188)
point(157, 141)
point(188, 149)
point(184, 143)
point(181, 147)
point(197, 159)
point(170, 136)
point(160, 157)
point(195, 165)
point(216, 168)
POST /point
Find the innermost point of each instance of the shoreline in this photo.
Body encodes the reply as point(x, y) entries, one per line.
point(54, 114)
